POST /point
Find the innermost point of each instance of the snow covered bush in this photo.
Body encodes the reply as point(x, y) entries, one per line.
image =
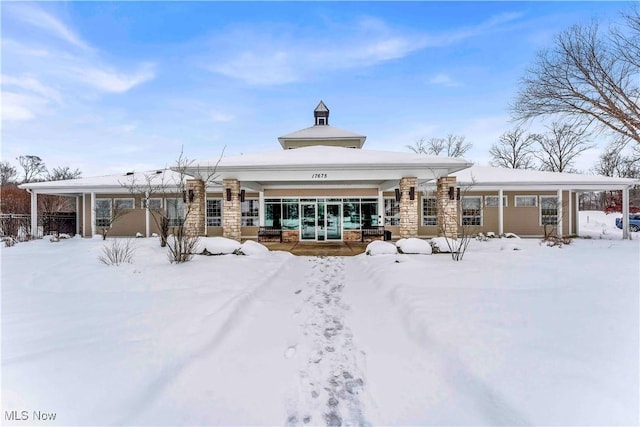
point(218, 246)
point(413, 245)
point(117, 251)
point(378, 247)
point(9, 241)
point(252, 248)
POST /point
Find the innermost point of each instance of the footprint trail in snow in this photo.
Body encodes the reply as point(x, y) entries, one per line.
point(329, 382)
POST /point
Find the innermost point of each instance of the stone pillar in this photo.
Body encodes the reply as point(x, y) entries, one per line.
point(447, 208)
point(231, 210)
point(408, 208)
point(196, 206)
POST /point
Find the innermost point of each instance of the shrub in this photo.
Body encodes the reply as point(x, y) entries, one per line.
point(118, 251)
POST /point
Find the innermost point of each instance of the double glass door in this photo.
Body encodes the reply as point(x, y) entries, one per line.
point(320, 221)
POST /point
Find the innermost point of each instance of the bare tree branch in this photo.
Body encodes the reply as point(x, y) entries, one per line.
point(514, 150)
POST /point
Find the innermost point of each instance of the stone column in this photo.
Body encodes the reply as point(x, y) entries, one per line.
point(408, 208)
point(447, 208)
point(231, 210)
point(194, 222)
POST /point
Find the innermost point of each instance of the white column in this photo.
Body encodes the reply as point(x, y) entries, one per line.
point(77, 214)
point(500, 213)
point(84, 215)
point(570, 202)
point(147, 228)
point(625, 214)
point(560, 213)
point(381, 206)
point(93, 214)
point(261, 208)
point(577, 213)
point(34, 214)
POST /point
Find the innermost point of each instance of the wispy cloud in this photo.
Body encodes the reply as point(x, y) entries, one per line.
point(38, 18)
point(270, 56)
point(444, 80)
point(110, 80)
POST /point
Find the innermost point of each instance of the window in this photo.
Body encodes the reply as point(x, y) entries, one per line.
point(492, 201)
point(351, 214)
point(214, 212)
point(250, 213)
point(369, 209)
point(155, 204)
point(391, 212)
point(124, 203)
point(290, 217)
point(175, 212)
point(103, 212)
point(548, 210)
point(526, 201)
point(472, 210)
point(429, 211)
point(322, 121)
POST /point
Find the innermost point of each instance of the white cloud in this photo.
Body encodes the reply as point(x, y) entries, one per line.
point(43, 20)
point(20, 106)
point(443, 80)
point(109, 80)
point(31, 84)
point(218, 117)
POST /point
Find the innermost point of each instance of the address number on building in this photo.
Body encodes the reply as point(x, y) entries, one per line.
point(319, 176)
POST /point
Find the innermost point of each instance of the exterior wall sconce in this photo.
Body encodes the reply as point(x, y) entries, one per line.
point(412, 193)
point(454, 193)
point(192, 196)
point(398, 195)
point(240, 194)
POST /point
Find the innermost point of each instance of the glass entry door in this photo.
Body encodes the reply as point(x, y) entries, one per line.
point(308, 221)
point(334, 221)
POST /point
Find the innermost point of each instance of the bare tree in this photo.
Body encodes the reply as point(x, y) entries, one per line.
point(63, 172)
point(558, 149)
point(615, 162)
point(7, 173)
point(513, 150)
point(33, 167)
point(450, 146)
point(108, 214)
point(588, 77)
point(180, 241)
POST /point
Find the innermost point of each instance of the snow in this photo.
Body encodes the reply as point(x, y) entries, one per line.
point(541, 335)
point(413, 245)
point(252, 248)
point(445, 244)
point(218, 245)
point(378, 247)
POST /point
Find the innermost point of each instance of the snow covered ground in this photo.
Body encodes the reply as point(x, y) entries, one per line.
point(533, 336)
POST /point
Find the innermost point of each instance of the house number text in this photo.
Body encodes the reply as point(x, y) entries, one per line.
point(318, 176)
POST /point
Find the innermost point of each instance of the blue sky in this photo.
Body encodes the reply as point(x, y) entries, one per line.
point(118, 86)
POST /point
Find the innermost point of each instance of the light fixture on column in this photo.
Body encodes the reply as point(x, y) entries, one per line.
point(240, 195)
point(452, 193)
point(412, 193)
point(228, 194)
point(192, 196)
point(398, 195)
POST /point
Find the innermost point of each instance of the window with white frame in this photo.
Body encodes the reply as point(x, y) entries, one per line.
point(492, 201)
point(526, 201)
point(548, 210)
point(429, 211)
point(471, 210)
point(128, 203)
point(391, 212)
point(214, 212)
point(155, 203)
point(175, 211)
point(103, 212)
point(250, 213)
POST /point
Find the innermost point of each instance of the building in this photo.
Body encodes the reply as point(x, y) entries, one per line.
point(324, 186)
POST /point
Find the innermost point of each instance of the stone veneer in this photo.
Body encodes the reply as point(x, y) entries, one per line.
point(194, 222)
point(447, 208)
point(231, 210)
point(290, 236)
point(408, 208)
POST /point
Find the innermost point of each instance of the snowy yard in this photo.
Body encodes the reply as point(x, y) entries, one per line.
point(534, 336)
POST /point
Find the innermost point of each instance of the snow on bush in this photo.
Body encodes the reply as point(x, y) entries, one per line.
point(444, 245)
point(218, 245)
point(511, 236)
point(413, 245)
point(378, 247)
point(117, 251)
point(252, 248)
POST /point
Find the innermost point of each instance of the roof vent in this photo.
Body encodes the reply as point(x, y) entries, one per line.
point(158, 172)
point(128, 174)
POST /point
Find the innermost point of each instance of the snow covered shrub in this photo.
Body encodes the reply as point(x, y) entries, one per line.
point(252, 248)
point(491, 235)
point(54, 239)
point(217, 246)
point(556, 241)
point(117, 251)
point(181, 246)
point(378, 247)
point(139, 235)
point(414, 245)
point(482, 238)
point(9, 241)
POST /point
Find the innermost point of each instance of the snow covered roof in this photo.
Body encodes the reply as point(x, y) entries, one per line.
point(321, 132)
point(489, 177)
point(333, 157)
point(116, 183)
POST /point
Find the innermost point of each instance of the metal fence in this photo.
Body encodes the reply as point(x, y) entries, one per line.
point(18, 226)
